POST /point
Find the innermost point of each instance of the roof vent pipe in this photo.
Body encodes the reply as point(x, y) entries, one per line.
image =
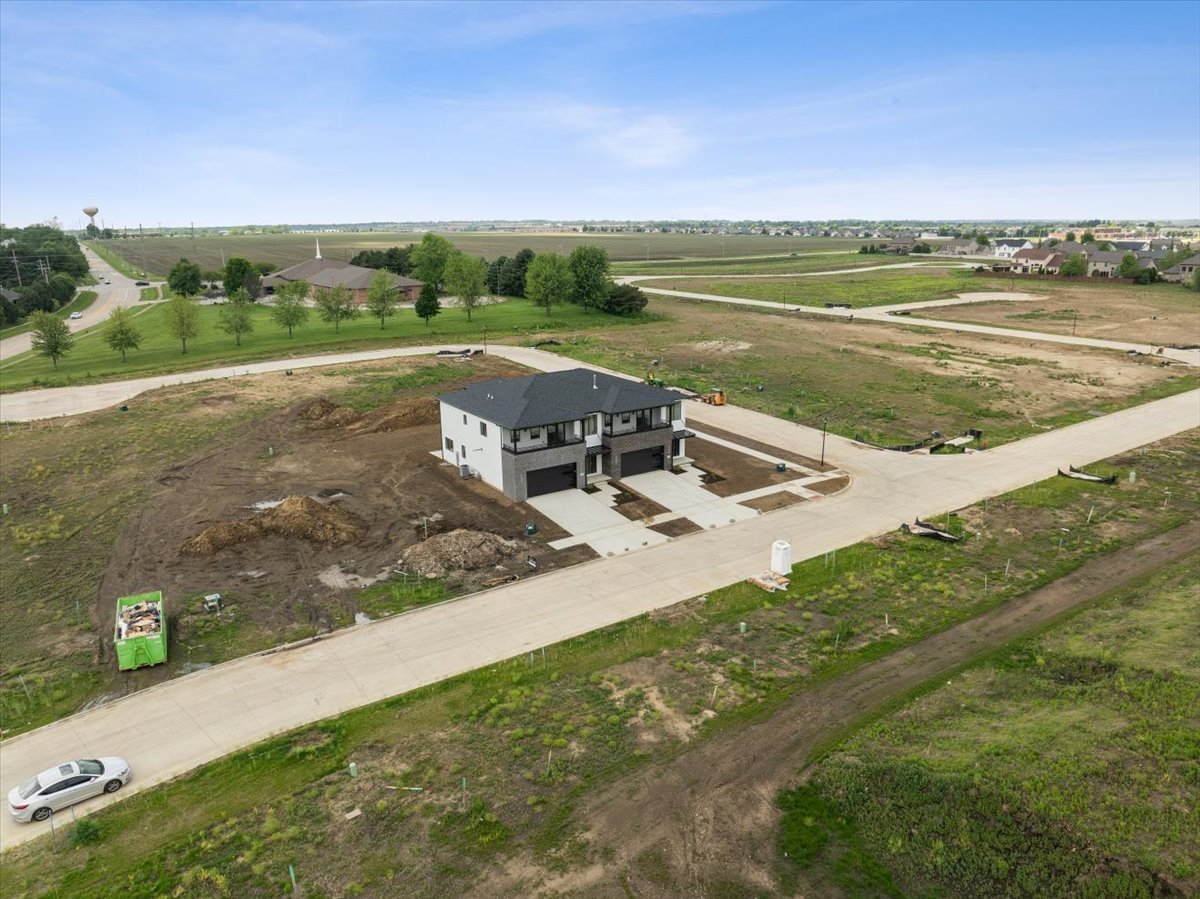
point(594, 385)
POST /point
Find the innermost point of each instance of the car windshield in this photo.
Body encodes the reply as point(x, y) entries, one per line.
point(28, 789)
point(90, 766)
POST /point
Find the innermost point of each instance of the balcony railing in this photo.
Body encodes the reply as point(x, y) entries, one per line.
point(541, 445)
point(617, 430)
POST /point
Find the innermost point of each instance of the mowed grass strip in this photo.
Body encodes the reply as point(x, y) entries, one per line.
point(92, 359)
point(536, 735)
point(883, 288)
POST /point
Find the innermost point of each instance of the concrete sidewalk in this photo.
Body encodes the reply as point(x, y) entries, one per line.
point(195, 719)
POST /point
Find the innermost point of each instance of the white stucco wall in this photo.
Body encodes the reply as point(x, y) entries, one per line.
point(470, 447)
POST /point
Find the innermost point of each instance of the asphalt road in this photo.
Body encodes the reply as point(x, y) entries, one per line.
point(120, 292)
point(191, 720)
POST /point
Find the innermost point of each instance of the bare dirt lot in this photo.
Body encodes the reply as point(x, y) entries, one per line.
point(735, 472)
point(1157, 314)
point(703, 815)
point(212, 529)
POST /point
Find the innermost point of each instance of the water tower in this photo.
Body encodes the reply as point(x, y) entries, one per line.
point(90, 212)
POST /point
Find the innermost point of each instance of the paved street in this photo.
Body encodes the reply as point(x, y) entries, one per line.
point(121, 292)
point(195, 719)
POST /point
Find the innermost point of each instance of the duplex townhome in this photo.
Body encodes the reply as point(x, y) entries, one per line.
point(1007, 247)
point(543, 433)
point(962, 247)
point(1037, 261)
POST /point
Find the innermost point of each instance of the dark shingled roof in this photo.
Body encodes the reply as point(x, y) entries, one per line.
point(555, 396)
point(331, 272)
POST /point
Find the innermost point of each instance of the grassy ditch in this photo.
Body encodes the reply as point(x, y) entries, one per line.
point(503, 756)
point(92, 360)
point(1063, 764)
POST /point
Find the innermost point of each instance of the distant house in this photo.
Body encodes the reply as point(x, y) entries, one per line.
point(11, 295)
point(963, 247)
point(1104, 263)
point(1131, 246)
point(1007, 247)
point(1071, 248)
point(901, 246)
point(1037, 260)
point(1184, 271)
point(320, 272)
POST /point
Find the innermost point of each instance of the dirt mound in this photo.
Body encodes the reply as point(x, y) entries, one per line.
point(297, 517)
point(321, 413)
point(398, 415)
point(460, 550)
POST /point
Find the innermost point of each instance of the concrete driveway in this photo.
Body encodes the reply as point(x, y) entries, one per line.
point(684, 493)
point(592, 519)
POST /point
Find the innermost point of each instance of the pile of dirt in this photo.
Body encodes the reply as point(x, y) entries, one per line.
point(460, 550)
point(297, 517)
point(399, 415)
point(321, 413)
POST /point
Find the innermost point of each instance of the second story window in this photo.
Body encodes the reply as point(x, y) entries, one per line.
point(589, 425)
point(483, 428)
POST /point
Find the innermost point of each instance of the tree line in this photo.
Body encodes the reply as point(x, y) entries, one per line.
point(42, 266)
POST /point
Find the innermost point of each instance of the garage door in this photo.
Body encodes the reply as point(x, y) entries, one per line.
point(641, 461)
point(549, 480)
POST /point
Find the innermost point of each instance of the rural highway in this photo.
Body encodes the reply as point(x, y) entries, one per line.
point(121, 292)
point(195, 719)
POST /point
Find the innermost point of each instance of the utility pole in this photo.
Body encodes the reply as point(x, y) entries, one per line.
point(17, 266)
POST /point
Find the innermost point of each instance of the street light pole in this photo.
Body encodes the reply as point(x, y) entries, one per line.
point(824, 426)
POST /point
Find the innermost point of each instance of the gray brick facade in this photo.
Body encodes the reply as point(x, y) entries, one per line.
point(515, 465)
point(625, 443)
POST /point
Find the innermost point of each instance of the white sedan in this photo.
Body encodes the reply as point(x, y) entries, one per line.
point(66, 784)
point(75, 316)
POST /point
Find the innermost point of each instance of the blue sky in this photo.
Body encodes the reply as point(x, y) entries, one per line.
point(226, 113)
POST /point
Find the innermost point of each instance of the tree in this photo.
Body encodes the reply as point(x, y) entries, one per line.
point(234, 317)
point(1070, 236)
point(512, 277)
point(381, 297)
point(625, 299)
point(394, 259)
point(1088, 237)
point(428, 304)
point(1129, 266)
point(494, 273)
point(50, 336)
point(589, 269)
point(921, 248)
point(252, 284)
point(120, 333)
point(185, 278)
point(466, 278)
point(62, 288)
point(335, 304)
point(211, 276)
point(37, 296)
point(265, 268)
point(1075, 266)
point(548, 280)
point(182, 319)
point(237, 270)
point(429, 258)
point(288, 309)
point(983, 240)
point(9, 314)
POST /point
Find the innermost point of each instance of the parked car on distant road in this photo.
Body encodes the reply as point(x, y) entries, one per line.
point(142, 283)
point(66, 784)
point(75, 316)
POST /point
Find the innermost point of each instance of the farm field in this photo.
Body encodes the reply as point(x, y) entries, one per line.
point(101, 506)
point(1064, 765)
point(881, 288)
point(160, 253)
point(557, 749)
point(1151, 313)
point(888, 383)
point(92, 359)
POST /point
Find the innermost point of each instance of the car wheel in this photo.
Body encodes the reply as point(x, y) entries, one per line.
point(112, 786)
point(41, 814)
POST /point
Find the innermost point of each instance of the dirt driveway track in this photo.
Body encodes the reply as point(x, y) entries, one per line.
point(191, 720)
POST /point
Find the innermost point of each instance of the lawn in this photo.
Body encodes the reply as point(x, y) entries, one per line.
point(456, 779)
point(82, 301)
point(161, 253)
point(856, 290)
point(1064, 765)
point(92, 360)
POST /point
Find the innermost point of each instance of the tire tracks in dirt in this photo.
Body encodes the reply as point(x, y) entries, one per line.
point(709, 811)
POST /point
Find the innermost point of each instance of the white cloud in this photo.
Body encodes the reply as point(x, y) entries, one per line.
point(634, 139)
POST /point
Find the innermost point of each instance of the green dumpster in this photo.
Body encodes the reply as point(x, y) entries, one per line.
point(141, 633)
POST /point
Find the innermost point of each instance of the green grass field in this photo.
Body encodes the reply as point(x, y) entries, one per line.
point(535, 737)
point(758, 265)
point(858, 290)
point(82, 301)
point(1065, 765)
point(91, 359)
point(161, 253)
